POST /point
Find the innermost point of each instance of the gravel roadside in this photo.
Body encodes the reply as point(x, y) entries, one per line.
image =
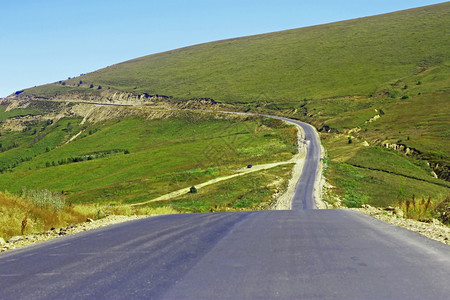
point(21, 241)
point(432, 229)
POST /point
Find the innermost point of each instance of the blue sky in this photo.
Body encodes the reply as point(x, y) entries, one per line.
point(43, 41)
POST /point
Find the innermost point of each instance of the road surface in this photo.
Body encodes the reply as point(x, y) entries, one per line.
point(298, 254)
point(304, 193)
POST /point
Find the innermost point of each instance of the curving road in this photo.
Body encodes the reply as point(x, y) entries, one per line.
point(304, 192)
point(298, 254)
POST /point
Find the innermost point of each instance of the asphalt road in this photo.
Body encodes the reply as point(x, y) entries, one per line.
point(303, 196)
point(297, 254)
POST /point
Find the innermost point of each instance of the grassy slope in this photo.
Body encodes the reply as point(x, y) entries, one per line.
point(356, 57)
point(165, 155)
point(254, 191)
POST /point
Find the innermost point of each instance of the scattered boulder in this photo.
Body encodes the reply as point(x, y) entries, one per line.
point(2, 242)
point(89, 220)
point(426, 220)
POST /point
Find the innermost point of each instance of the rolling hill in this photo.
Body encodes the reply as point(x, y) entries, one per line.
point(359, 57)
point(377, 88)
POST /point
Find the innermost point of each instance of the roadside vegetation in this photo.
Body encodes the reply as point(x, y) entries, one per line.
point(37, 211)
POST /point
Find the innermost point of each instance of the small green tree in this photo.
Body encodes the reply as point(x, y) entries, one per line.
point(193, 190)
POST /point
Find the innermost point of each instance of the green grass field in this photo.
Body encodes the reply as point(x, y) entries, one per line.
point(134, 159)
point(251, 192)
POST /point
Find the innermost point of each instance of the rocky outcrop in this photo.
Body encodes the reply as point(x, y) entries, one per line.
point(402, 148)
point(440, 170)
point(107, 96)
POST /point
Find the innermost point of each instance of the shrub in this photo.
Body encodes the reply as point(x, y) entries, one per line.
point(405, 97)
point(193, 190)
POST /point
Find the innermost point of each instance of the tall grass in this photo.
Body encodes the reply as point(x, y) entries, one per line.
point(426, 209)
point(44, 199)
point(40, 210)
point(19, 216)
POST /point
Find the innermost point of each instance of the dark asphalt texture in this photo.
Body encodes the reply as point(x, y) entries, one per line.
point(299, 254)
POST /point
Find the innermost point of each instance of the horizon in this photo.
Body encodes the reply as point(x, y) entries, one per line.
point(53, 42)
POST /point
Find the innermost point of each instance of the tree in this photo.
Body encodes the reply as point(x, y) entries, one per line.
point(193, 190)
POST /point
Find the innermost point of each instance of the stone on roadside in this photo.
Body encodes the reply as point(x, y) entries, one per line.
point(15, 239)
point(89, 220)
point(399, 212)
point(2, 242)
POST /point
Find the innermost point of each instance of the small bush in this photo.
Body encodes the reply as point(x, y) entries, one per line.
point(405, 97)
point(193, 190)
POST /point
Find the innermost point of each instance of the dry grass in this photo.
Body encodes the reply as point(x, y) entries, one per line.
point(19, 216)
point(426, 209)
point(23, 215)
point(99, 211)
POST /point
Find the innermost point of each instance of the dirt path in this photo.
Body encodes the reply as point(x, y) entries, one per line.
point(283, 202)
point(240, 172)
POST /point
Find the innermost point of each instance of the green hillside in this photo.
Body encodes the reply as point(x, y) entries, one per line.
point(377, 89)
point(135, 159)
point(358, 57)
